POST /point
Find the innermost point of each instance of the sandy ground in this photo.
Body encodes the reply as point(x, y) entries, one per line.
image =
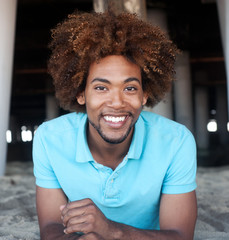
point(18, 218)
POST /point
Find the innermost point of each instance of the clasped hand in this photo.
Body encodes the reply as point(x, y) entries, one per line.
point(85, 217)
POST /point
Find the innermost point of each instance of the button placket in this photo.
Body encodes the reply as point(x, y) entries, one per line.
point(111, 191)
point(108, 179)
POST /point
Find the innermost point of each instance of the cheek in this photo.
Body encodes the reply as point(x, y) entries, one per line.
point(93, 103)
point(138, 101)
point(136, 104)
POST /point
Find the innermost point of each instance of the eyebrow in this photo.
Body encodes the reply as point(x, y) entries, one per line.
point(131, 79)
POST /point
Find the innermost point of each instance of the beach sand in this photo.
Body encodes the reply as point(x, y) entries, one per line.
point(18, 219)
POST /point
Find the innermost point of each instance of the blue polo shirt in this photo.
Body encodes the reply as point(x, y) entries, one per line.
point(161, 159)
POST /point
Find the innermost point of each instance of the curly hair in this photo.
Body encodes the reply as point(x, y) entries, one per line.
point(84, 38)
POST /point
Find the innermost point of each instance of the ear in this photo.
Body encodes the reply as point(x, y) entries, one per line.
point(81, 98)
point(145, 98)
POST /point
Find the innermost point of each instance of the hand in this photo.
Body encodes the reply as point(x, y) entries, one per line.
point(85, 217)
point(90, 236)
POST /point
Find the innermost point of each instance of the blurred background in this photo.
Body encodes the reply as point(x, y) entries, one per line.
point(199, 95)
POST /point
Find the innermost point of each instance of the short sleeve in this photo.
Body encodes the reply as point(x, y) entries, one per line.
point(181, 174)
point(45, 176)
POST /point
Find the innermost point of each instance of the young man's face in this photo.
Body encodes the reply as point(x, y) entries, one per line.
point(113, 98)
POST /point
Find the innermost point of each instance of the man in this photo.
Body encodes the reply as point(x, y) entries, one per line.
point(111, 170)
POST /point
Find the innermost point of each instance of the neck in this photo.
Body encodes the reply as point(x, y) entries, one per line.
point(105, 153)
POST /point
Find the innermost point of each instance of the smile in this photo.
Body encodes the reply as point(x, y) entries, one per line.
point(114, 119)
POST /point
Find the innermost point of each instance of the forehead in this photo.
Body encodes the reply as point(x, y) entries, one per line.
point(114, 68)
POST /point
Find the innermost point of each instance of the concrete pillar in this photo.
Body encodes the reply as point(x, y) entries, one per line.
point(201, 117)
point(51, 105)
point(13, 127)
point(183, 91)
point(221, 114)
point(52, 110)
point(7, 30)
point(136, 6)
point(223, 10)
point(158, 17)
point(100, 5)
point(132, 6)
point(201, 113)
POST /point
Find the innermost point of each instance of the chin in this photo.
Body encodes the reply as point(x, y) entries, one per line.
point(117, 140)
point(114, 141)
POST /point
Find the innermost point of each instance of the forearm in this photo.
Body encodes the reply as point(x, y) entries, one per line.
point(84, 216)
point(55, 231)
point(123, 232)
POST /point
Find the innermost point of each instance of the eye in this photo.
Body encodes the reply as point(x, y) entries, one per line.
point(100, 88)
point(130, 89)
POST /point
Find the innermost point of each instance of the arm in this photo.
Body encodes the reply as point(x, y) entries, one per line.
point(48, 203)
point(179, 212)
point(177, 220)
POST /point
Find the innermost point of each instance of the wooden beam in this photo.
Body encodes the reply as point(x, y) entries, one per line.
point(31, 71)
point(207, 59)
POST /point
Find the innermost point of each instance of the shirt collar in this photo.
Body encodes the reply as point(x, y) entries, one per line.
point(136, 146)
point(83, 153)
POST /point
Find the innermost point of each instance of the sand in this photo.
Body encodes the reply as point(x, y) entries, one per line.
point(18, 218)
point(213, 203)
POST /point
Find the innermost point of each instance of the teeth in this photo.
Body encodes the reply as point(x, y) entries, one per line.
point(114, 119)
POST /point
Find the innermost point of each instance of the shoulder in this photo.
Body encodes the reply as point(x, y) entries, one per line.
point(165, 132)
point(153, 120)
point(62, 124)
point(172, 148)
point(59, 135)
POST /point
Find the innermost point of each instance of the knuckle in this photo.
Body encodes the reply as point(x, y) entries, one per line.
point(67, 230)
point(68, 205)
point(88, 201)
point(64, 211)
point(71, 221)
point(91, 218)
point(70, 213)
point(91, 207)
point(87, 228)
point(72, 228)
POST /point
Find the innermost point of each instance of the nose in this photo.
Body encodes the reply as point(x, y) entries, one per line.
point(116, 100)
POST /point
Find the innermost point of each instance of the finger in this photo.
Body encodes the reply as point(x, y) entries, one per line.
point(90, 210)
point(77, 204)
point(82, 227)
point(62, 207)
point(79, 220)
point(73, 213)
